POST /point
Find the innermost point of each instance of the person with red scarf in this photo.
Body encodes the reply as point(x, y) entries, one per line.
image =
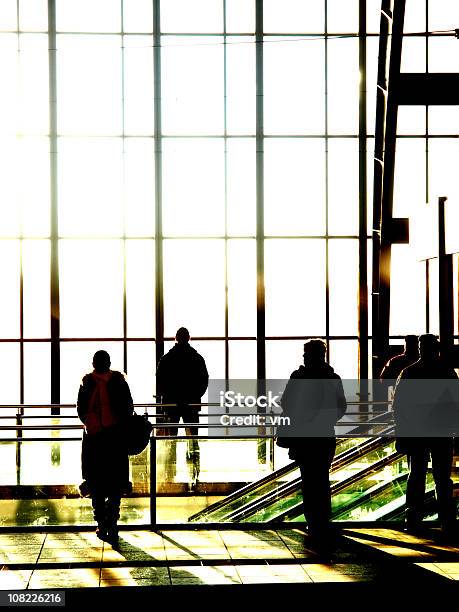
point(104, 404)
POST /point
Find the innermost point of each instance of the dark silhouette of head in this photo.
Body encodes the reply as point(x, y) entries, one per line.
point(101, 361)
point(315, 351)
point(412, 345)
point(429, 347)
point(182, 336)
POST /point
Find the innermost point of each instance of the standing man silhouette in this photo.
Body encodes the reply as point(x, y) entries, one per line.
point(397, 364)
point(425, 409)
point(182, 379)
point(314, 399)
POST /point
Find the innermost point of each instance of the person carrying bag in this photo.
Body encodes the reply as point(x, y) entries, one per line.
point(105, 407)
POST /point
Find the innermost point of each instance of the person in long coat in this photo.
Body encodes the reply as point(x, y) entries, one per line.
point(104, 404)
point(314, 401)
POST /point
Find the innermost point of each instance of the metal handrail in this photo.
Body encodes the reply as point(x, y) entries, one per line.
point(170, 405)
point(58, 427)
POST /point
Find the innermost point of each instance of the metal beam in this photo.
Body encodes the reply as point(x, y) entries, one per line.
point(385, 162)
point(429, 88)
point(445, 285)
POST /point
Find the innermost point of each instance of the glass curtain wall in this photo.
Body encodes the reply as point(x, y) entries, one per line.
point(200, 163)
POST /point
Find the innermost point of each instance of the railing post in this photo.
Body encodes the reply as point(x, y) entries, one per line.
point(153, 520)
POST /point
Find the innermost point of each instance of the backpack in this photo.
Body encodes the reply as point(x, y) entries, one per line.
point(137, 432)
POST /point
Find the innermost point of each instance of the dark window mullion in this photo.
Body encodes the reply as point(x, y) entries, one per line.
point(54, 289)
point(125, 332)
point(261, 322)
point(159, 293)
point(225, 132)
point(327, 280)
point(363, 204)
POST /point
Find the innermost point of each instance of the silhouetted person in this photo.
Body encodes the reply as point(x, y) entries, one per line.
point(182, 379)
point(104, 404)
point(314, 399)
point(425, 410)
point(397, 364)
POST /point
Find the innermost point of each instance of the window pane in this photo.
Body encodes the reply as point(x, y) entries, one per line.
point(138, 85)
point(240, 85)
point(407, 308)
point(9, 366)
point(139, 186)
point(283, 357)
point(414, 54)
point(240, 16)
point(9, 281)
point(9, 112)
point(295, 303)
point(193, 187)
point(140, 288)
point(242, 359)
point(343, 270)
point(90, 187)
point(242, 288)
point(37, 374)
point(294, 98)
point(343, 187)
point(33, 15)
point(89, 85)
point(9, 202)
point(34, 88)
point(185, 16)
point(415, 15)
point(141, 371)
point(294, 187)
point(8, 15)
point(370, 173)
point(76, 361)
point(434, 321)
point(36, 275)
point(443, 14)
point(411, 120)
point(24, 189)
point(342, 16)
point(343, 86)
point(293, 16)
point(373, 15)
point(443, 120)
point(91, 288)
point(138, 15)
point(88, 15)
point(443, 164)
point(192, 85)
point(241, 186)
point(372, 72)
point(410, 173)
point(443, 55)
point(344, 358)
point(194, 290)
point(34, 186)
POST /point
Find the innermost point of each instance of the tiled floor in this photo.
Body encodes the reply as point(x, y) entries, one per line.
point(426, 550)
point(206, 557)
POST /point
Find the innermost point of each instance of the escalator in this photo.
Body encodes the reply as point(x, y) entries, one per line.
point(278, 496)
point(354, 481)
